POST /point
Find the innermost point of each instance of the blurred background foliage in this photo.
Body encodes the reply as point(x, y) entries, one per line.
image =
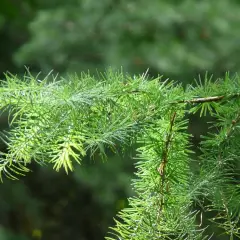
point(179, 39)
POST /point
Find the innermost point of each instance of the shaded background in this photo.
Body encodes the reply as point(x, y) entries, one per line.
point(179, 39)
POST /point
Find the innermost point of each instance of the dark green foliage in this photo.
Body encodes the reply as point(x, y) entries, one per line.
point(59, 122)
point(174, 38)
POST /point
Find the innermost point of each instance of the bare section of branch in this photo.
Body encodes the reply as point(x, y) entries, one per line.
point(209, 99)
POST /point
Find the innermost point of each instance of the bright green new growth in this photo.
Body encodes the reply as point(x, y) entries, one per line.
point(60, 121)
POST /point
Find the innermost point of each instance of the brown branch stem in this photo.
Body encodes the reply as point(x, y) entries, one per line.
point(164, 159)
point(209, 99)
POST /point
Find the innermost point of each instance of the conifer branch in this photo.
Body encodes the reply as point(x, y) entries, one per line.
point(61, 122)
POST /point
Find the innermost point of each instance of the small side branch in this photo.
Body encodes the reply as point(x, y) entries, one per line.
point(229, 132)
point(164, 159)
point(162, 166)
point(234, 122)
